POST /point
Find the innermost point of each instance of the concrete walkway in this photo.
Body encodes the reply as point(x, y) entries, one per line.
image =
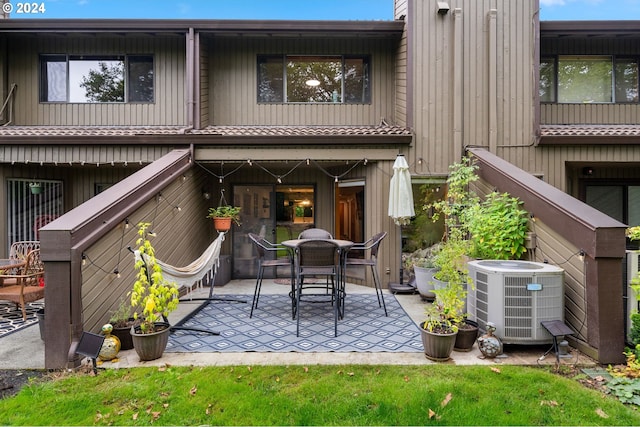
point(25, 350)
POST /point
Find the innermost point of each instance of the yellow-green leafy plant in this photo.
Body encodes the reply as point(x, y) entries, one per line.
point(447, 310)
point(156, 296)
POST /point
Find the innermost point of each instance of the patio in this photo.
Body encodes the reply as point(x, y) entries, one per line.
point(25, 350)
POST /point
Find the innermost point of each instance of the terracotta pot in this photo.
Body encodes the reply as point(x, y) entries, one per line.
point(437, 347)
point(222, 224)
point(466, 336)
point(151, 346)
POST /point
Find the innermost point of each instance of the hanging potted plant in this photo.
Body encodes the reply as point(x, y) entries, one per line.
point(35, 187)
point(156, 296)
point(223, 216)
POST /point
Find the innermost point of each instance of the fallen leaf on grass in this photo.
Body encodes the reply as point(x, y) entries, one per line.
point(496, 370)
point(249, 368)
point(431, 414)
point(193, 390)
point(165, 405)
point(155, 415)
point(446, 400)
point(134, 416)
point(406, 379)
point(208, 410)
point(548, 403)
point(351, 374)
point(305, 369)
point(601, 413)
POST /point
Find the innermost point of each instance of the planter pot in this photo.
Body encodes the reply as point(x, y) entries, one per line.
point(150, 346)
point(222, 224)
point(439, 284)
point(437, 347)
point(466, 336)
point(424, 282)
point(40, 316)
point(124, 335)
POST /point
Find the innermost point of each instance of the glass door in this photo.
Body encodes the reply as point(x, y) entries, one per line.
point(276, 213)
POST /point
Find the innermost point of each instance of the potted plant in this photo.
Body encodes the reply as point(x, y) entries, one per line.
point(440, 327)
point(421, 264)
point(122, 320)
point(35, 187)
point(223, 216)
point(156, 297)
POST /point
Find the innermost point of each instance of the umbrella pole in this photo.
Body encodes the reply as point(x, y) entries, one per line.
point(402, 288)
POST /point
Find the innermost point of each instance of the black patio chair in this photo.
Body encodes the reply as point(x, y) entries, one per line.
point(263, 248)
point(372, 245)
point(318, 258)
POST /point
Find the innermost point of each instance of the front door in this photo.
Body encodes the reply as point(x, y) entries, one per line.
point(275, 212)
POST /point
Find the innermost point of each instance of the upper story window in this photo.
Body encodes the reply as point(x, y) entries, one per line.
point(588, 79)
point(314, 79)
point(92, 78)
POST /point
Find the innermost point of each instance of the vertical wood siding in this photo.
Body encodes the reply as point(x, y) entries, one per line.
point(233, 83)
point(180, 240)
point(473, 78)
point(169, 107)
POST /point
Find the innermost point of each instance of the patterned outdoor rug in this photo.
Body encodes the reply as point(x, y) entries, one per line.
point(363, 329)
point(11, 317)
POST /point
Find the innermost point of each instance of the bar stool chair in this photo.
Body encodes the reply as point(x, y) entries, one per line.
point(315, 233)
point(372, 245)
point(318, 258)
point(264, 247)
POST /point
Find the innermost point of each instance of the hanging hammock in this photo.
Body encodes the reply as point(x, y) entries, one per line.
point(187, 276)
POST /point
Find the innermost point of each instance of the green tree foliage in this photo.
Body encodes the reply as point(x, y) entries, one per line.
point(105, 84)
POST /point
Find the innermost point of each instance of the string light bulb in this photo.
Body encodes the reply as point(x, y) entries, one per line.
point(365, 161)
point(336, 179)
point(84, 259)
point(279, 180)
point(126, 223)
point(116, 272)
point(581, 255)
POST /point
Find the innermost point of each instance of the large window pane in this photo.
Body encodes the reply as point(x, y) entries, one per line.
point(314, 79)
point(96, 80)
point(585, 79)
point(140, 79)
point(54, 79)
point(634, 205)
point(607, 199)
point(626, 75)
point(270, 79)
point(547, 80)
point(356, 80)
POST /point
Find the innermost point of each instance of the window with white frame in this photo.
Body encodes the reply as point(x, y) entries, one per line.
point(96, 78)
point(340, 79)
point(588, 79)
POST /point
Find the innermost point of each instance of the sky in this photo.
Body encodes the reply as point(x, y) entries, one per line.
point(550, 10)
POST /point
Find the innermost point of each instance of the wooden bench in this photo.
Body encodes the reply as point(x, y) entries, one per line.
point(24, 287)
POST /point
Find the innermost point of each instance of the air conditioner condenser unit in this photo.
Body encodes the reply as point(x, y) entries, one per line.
point(516, 296)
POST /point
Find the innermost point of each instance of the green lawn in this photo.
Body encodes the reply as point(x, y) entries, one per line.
point(315, 395)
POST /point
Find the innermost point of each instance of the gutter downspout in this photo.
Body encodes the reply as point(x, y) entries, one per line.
point(493, 84)
point(190, 76)
point(458, 89)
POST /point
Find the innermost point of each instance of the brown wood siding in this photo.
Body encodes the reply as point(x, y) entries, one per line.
point(169, 66)
point(233, 82)
point(563, 114)
point(204, 83)
point(473, 80)
point(180, 240)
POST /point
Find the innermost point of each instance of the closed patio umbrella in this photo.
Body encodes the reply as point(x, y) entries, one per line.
point(401, 209)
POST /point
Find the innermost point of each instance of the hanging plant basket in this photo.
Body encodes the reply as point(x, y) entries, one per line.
point(222, 224)
point(35, 187)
